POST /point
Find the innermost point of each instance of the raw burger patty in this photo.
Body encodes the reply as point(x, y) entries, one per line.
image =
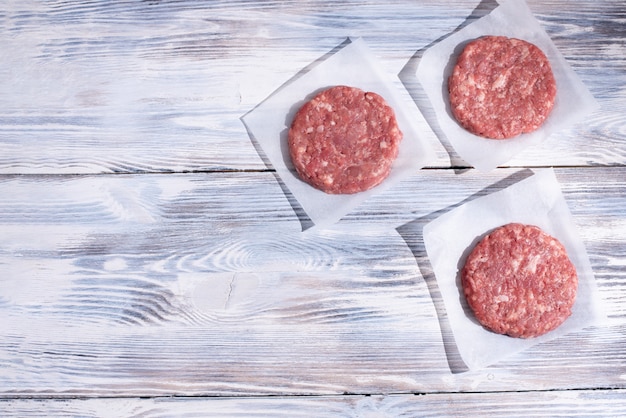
point(344, 140)
point(519, 281)
point(501, 87)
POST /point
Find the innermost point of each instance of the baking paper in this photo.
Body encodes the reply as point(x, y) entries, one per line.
point(448, 239)
point(353, 65)
point(514, 19)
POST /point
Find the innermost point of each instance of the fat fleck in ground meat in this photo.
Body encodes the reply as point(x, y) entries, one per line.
point(501, 87)
point(344, 140)
point(519, 281)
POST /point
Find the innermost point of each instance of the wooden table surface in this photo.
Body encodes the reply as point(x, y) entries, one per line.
point(152, 264)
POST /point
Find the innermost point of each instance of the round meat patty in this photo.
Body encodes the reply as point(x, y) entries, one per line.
point(519, 281)
point(501, 87)
point(344, 140)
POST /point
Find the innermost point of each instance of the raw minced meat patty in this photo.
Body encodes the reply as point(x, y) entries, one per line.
point(519, 281)
point(501, 87)
point(344, 140)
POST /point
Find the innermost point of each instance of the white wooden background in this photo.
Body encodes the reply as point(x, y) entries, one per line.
point(151, 264)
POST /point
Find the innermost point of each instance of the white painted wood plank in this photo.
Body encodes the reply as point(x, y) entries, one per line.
point(102, 87)
point(122, 285)
point(202, 284)
point(580, 403)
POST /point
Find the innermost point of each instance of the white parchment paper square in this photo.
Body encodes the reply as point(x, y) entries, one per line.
point(448, 239)
point(514, 19)
point(353, 65)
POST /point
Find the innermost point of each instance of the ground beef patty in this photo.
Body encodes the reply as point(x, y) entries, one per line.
point(344, 140)
point(519, 281)
point(501, 87)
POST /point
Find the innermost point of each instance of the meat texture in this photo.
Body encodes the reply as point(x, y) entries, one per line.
point(344, 140)
point(519, 281)
point(501, 87)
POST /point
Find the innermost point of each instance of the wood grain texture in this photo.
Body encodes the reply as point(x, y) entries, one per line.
point(153, 265)
point(599, 403)
point(110, 87)
point(197, 284)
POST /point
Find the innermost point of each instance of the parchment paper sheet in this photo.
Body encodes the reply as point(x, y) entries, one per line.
point(353, 65)
point(448, 239)
point(514, 19)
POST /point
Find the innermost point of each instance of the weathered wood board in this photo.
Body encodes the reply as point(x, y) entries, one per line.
point(205, 284)
point(153, 265)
